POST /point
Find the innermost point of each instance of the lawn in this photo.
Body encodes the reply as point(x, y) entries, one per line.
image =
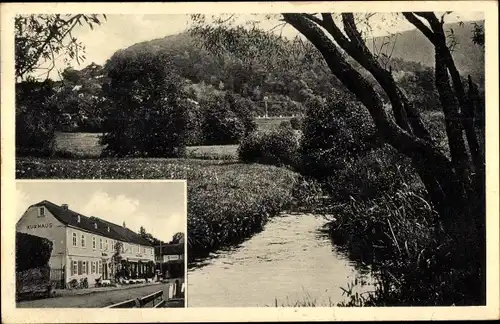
point(227, 201)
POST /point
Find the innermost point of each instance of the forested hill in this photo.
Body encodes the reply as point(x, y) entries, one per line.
point(413, 46)
point(286, 89)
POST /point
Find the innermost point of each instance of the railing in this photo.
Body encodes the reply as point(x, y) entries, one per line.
point(173, 295)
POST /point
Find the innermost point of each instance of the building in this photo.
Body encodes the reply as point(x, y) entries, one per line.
point(83, 247)
point(170, 259)
point(169, 253)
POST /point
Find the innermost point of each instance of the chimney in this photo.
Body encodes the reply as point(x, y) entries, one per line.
point(64, 206)
point(124, 224)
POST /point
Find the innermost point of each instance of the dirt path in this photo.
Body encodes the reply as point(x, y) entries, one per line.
point(97, 299)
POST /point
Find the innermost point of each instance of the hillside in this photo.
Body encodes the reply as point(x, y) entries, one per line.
point(413, 46)
point(286, 89)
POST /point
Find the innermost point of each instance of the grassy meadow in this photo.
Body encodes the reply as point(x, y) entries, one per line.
point(86, 145)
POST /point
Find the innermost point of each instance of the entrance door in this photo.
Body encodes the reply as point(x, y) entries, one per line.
point(104, 269)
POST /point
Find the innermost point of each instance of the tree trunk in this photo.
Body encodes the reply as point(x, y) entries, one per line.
point(447, 181)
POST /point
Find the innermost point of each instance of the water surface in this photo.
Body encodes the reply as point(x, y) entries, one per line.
point(290, 261)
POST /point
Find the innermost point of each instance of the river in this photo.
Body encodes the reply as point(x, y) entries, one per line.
point(289, 262)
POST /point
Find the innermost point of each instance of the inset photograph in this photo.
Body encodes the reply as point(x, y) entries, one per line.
point(100, 244)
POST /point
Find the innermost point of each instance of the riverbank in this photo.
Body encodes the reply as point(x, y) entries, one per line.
point(413, 261)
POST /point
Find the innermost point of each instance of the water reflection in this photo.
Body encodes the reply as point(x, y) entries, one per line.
point(291, 260)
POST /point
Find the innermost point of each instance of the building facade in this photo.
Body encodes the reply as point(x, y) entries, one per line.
point(170, 260)
point(87, 247)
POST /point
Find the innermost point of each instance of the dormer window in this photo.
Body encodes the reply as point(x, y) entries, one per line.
point(108, 228)
point(95, 225)
point(78, 220)
point(41, 212)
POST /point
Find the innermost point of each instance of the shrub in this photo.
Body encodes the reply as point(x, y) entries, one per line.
point(278, 147)
point(31, 251)
point(379, 171)
point(227, 119)
point(220, 125)
point(148, 115)
point(335, 132)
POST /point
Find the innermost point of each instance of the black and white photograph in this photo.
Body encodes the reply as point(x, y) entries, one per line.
point(334, 156)
point(95, 244)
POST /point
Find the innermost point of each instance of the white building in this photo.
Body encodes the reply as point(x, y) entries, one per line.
point(84, 246)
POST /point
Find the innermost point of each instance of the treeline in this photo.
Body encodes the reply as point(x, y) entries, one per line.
point(173, 90)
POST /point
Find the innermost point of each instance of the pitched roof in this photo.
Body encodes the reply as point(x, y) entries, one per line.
point(116, 232)
point(170, 249)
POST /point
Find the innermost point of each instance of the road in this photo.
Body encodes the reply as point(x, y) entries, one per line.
point(97, 299)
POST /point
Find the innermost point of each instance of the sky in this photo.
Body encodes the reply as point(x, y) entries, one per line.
point(121, 31)
point(158, 206)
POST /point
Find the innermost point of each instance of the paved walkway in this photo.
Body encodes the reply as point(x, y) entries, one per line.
point(86, 291)
point(95, 299)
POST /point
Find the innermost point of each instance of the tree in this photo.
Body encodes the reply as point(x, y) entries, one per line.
point(177, 238)
point(455, 183)
point(117, 257)
point(44, 38)
point(148, 113)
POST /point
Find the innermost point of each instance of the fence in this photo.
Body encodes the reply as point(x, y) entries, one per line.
point(171, 296)
point(57, 278)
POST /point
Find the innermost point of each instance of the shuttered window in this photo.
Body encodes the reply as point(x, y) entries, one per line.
point(84, 267)
point(74, 268)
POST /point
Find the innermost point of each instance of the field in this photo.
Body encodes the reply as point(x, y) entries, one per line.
point(87, 144)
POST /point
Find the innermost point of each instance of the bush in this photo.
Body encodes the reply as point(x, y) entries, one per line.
point(148, 115)
point(335, 132)
point(221, 126)
point(379, 171)
point(278, 147)
point(227, 119)
point(31, 251)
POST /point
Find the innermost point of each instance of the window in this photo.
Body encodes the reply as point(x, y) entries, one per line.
point(74, 269)
point(74, 239)
point(84, 267)
point(100, 244)
point(83, 240)
point(93, 242)
point(106, 245)
point(99, 267)
point(93, 267)
point(41, 212)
